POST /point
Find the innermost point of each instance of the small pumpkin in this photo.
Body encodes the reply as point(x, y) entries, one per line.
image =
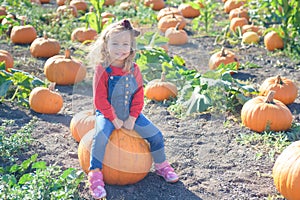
point(286, 172)
point(273, 41)
point(224, 56)
point(45, 100)
point(109, 2)
point(44, 47)
point(127, 157)
point(168, 11)
point(7, 58)
point(252, 27)
point(232, 4)
point(250, 37)
point(83, 34)
point(64, 70)
point(160, 89)
point(237, 22)
point(239, 12)
point(23, 34)
point(286, 90)
point(81, 123)
point(266, 113)
point(80, 5)
point(188, 11)
point(171, 21)
point(2, 12)
point(155, 4)
point(176, 36)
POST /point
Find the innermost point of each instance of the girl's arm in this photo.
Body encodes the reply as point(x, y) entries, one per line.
point(100, 91)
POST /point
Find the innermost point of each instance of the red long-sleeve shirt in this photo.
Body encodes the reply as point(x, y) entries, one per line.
point(100, 90)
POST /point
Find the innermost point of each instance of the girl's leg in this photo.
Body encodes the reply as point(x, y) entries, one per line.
point(155, 138)
point(104, 128)
point(153, 135)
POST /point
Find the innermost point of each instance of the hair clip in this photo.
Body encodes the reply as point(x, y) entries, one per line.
point(126, 24)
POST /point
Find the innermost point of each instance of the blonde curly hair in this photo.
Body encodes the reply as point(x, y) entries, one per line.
point(99, 55)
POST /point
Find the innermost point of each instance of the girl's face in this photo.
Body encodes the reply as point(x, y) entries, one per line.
point(119, 45)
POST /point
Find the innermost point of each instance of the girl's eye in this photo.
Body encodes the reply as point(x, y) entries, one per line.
point(126, 44)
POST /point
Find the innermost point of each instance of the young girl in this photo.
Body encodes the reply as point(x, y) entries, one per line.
point(119, 100)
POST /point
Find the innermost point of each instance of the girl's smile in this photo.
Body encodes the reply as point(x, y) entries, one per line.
point(119, 45)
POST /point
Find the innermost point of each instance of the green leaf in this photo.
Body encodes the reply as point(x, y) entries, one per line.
point(39, 165)
point(197, 102)
point(4, 87)
point(25, 178)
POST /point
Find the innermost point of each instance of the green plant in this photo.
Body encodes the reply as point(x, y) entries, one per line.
point(17, 84)
point(13, 144)
point(33, 179)
point(206, 17)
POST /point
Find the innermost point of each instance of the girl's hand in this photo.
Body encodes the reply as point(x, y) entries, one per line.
point(129, 123)
point(117, 123)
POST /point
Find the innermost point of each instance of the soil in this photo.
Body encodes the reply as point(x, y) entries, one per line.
point(203, 151)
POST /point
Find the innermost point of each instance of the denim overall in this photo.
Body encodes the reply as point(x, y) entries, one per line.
point(120, 93)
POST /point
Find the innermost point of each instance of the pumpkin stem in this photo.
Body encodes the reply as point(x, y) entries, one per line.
point(45, 35)
point(177, 26)
point(223, 54)
point(279, 80)
point(163, 76)
point(270, 96)
point(68, 54)
point(52, 86)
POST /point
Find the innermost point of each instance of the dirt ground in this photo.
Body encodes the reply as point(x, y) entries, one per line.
point(203, 151)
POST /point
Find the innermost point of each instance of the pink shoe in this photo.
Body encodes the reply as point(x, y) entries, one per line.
point(96, 184)
point(166, 171)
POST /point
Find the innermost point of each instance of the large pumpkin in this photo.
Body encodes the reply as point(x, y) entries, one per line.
point(171, 21)
point(176, 36)
point(83, 34)
point(127, 158)
point(265, 113)
point(44, 47)
point(45, 100)
point(81, 123)
point(23, 34)
point(286, 172)
point(64, 70)
point(7, 58)
point(286, 89)
point(160, 89)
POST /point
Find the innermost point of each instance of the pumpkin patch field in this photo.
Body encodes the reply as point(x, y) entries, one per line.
point(221, 81)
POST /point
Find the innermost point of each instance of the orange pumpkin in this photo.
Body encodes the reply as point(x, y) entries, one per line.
point(171, 21)
point(286, 172)
point(155, 4)
point(176, 36)
point(127, 157)
point(266, 113)
point(237, 22)
point(273, 41)
point(232, 4)
point(23, 34)
point(64, 70)
point(7, 58)
point(44, 1)
point(44, 47)
point(188, 11)
point(109, 2)
point(167, 11)
point(80, 5)
point(286, 89)
point(224, 56)
point(239, 12)
point(45, 100)
point(252, 27)
point(2, 12)
point(83, 34)
point(160, 89)
point(81, 123)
